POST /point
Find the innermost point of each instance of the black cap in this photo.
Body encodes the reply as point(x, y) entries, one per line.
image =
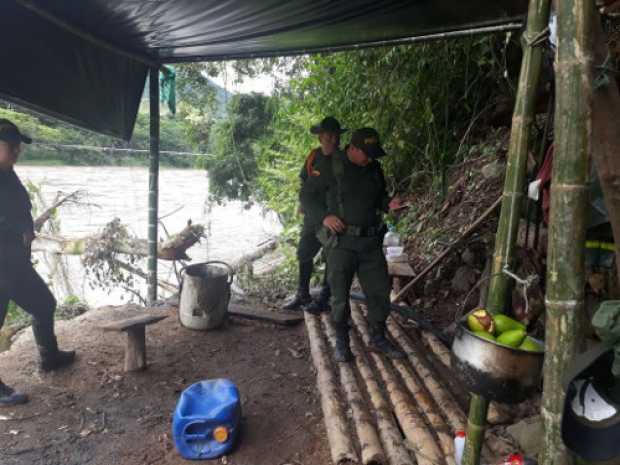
point(591, 416)
point(367, 140)
point(10, 133)
point(329, 124)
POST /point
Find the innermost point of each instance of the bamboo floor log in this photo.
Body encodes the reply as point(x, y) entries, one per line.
point(391, 437)
point(420, 438)
point(338, 434)
point(370, 447)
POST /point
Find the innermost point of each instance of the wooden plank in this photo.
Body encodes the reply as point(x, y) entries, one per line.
point(400, 269)
point(128, 323)
point(279, 318)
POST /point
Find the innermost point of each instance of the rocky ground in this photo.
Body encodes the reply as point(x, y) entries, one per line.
point(93, 413)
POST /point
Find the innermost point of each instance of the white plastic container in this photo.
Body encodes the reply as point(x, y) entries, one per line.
point(391, 239)
point(459, 446)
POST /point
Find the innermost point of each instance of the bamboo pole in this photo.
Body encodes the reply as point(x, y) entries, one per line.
point(429, 409)
point(419, 437)
point(338, 434)
point(370, 447)
point(153, 183)
point(524, 112)
point(565, 263)
point(390, 435)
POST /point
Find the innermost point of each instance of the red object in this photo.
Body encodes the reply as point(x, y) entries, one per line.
point(460, 434)
point(544, 175)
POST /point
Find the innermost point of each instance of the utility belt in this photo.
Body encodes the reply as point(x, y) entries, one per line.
point(365, 231)
point(329, 239)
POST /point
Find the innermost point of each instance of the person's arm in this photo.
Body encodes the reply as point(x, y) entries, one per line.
point(384, 198)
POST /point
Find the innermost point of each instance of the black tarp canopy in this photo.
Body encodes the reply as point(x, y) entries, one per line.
point(85, 61)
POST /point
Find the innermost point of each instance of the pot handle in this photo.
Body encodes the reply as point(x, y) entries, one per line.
point(231, 272)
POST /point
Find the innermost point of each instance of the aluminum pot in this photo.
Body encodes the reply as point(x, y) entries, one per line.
point(495, 371)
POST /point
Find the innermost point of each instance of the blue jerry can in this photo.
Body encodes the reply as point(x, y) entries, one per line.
point(206, 419)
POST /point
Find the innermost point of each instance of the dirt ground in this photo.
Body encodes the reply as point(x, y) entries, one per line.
point(93, 413)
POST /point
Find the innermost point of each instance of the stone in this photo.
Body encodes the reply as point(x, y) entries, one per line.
point(493, 170)
point(464, 278)
point(528, 434)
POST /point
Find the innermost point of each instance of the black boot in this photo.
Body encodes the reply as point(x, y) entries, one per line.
point(51, 357)
point(9, 398)
point(381, 344)
point(343, 353)
point(320, 304)
point(300, 299)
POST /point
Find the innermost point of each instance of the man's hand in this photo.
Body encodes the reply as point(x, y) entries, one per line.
point(396, 203)
point(334, 224)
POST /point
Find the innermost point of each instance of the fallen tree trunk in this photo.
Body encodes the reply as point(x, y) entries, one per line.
point(371, 450)
point(173, 248)
point(390, 435)
point(419, 437)
point(260, 252)
point(338, 434)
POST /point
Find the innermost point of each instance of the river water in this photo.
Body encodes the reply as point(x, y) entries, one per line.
point(122, 192)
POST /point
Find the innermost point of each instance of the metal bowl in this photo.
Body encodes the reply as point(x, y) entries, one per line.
point(495, 371)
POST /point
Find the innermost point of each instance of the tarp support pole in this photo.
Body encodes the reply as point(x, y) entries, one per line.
point(153, 183)
point(512, 202)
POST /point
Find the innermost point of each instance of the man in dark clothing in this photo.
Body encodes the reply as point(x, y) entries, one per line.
point(356, 200)
point(19, 281)
point(312, 202)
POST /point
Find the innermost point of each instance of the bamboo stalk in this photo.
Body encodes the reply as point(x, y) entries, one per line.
point(390, 435)
point(338, 435)
point(371, 450)
point(565, 263)
point(429, 409)
point(444, 400)
point(418, 435)
point(524, 112)
point(448, 406)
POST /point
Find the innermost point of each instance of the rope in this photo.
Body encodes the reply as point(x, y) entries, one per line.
point(538, 39)
point(524, 283)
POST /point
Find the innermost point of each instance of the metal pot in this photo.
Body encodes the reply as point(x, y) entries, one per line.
point(492, 370)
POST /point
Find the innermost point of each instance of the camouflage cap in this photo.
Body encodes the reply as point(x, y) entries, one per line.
point(367, 140)
point(10, 133)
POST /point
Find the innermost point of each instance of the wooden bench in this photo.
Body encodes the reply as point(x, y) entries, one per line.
point(135, 327)
point(398, 270)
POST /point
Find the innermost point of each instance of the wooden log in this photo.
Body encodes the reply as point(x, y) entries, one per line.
point(338, 433)
point(371, 450)
point(391, 437)
point(446, 403)
point(420, 439)
point(135, 352)
point(135, 349)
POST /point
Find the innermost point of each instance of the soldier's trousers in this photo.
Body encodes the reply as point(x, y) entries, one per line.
point(308, 247)
point(364, 257)
point(20, 283)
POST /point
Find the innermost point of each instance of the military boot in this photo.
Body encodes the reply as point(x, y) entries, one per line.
point(320, 304)
point(381, 344)
point(9, 398)
point(301, 298)
point(51, 357)
point(343, 352)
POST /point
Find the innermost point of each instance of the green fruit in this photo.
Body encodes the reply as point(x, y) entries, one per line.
point(531, 345)
point(512, 338)
point(504, 323)
point(481, 320)
point(484, 335)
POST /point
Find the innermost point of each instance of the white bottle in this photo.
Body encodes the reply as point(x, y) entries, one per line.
point(459, 446)
point(392, 238)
